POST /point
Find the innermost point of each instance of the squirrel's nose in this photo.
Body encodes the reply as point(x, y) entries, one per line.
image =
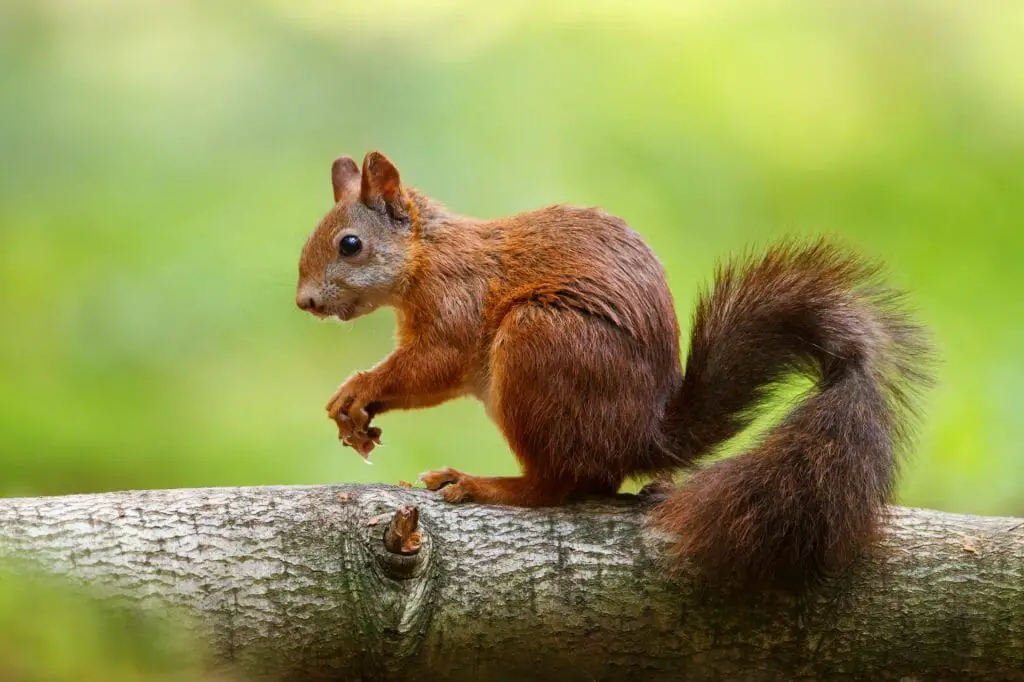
point(307, 301)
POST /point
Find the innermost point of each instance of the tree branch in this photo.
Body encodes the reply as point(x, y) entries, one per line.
point(306, 584)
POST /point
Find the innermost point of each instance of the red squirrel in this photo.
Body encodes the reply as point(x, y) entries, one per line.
point(561, 323)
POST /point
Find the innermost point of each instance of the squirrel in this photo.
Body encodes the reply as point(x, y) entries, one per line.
point(561, 323)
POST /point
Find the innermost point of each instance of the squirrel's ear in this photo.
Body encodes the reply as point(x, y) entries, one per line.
point(344, 177)
point(382, 188)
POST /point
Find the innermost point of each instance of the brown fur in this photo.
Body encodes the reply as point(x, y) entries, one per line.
point(560, 322)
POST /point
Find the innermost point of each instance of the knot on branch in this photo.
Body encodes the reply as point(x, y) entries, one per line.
point(401, 557)
point(402, 535)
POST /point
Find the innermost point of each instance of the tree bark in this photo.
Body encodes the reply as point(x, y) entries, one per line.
point(322, 583)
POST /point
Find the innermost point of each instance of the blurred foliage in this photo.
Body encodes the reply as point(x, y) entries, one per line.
point(163, 162)
point(51, 632)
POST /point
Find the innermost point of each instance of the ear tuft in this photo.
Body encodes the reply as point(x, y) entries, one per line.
point(344, 177)
point(382, 186)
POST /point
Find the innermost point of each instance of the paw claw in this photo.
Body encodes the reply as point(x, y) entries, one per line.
point(454, 493)
point(357, 433)
point(435, 480)
point(338, 406)
point(361, 443)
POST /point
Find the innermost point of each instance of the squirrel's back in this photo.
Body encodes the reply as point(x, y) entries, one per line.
point(587, 259)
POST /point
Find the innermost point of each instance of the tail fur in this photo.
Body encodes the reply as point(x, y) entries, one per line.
point(808, 498)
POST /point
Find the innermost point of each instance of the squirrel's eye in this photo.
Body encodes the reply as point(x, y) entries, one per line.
point(350, 245)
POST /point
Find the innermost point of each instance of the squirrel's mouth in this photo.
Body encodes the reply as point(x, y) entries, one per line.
point(346, 311)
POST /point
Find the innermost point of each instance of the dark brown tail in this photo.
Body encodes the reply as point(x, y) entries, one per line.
point(806, 499)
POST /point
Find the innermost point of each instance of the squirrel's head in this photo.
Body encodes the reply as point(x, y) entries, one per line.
point(355, 260)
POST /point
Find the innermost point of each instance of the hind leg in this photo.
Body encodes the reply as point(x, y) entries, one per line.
point(576, 399)
point(517, 491)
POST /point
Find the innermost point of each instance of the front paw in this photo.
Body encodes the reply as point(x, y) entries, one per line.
point(454, 486)
point(362, 442)
point(350, 401)
point(347, 407)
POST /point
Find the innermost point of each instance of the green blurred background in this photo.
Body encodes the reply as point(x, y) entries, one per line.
point(163, 162)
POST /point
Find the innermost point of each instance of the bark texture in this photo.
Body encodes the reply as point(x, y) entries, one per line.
point(298, 584)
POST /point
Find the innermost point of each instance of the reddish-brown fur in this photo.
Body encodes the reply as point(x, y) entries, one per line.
point(561, 322)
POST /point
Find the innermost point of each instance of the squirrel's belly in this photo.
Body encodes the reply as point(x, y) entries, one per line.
point(479, 386)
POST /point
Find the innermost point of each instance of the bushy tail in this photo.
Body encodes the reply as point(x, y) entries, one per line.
point(809, 496)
